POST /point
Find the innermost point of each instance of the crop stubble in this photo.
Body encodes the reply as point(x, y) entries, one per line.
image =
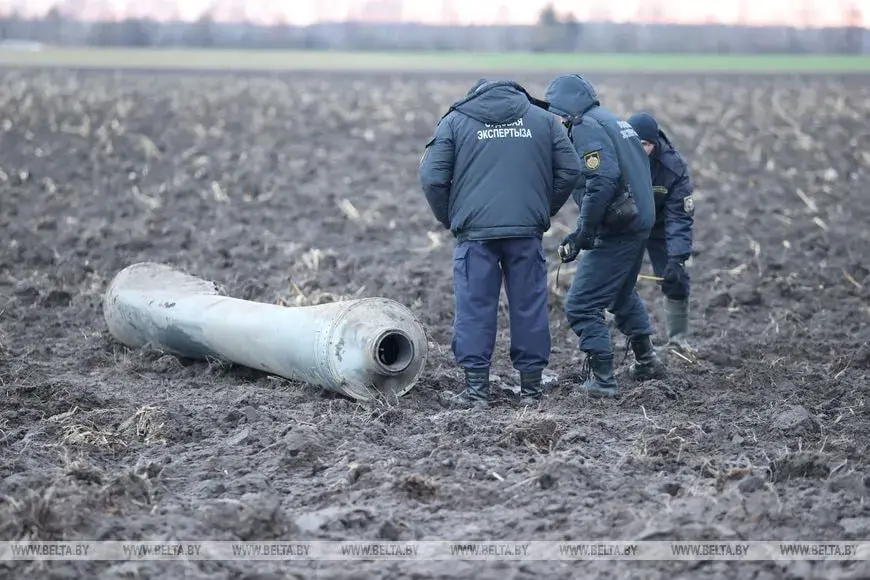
point(302, 189)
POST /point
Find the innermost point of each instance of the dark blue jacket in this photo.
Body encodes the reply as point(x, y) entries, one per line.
point(613, 159)
point(497, 166)
point(675, 204)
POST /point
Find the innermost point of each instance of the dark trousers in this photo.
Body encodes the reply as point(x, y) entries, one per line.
point(658, 257)
point(478, 269)
point(606, 278)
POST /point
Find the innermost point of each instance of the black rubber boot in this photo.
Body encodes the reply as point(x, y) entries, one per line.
point(647, 364)
point(476, 388)
point(677, 321)
point(530, 388)
point(599, 376)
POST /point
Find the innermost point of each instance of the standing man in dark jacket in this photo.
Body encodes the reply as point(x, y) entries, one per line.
point(670, 243)
point(616, 215)
point(495, 172)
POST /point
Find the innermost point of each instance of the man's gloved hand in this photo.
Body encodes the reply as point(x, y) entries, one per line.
point(676, 279)
point(569, 249)
point(586, 239)
point(571, 246)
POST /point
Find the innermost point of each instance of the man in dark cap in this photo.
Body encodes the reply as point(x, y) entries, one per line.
point(670, 243)
point(616, 215)
point(494, 174)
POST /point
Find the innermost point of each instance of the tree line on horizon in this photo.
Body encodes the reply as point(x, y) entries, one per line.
point(552, 33)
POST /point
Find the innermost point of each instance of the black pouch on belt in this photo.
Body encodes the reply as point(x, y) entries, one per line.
point(621, 211)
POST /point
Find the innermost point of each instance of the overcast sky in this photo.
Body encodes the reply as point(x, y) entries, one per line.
point(825, 12)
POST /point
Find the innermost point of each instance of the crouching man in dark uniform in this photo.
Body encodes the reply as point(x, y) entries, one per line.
point(616, 215)
point(495, 172)
point(670, 243)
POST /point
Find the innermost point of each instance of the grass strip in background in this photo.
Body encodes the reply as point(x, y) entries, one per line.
point(265, 60)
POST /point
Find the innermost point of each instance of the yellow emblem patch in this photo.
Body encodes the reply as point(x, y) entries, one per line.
point(592, 160)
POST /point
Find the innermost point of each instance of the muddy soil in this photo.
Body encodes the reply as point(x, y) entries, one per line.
point(271, 184)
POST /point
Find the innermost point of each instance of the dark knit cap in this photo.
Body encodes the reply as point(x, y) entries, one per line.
point(646, 127)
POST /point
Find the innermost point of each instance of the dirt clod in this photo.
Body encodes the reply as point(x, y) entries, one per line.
point(797, 419)
point(543, 434)
point(852, 484)
point(418, 487)
point(799, 466)
point(746, 295)
point(56, 299)
point(751, 484)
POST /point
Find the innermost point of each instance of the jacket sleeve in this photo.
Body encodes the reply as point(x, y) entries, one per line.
point(436, 172)
point(679, 217)
point(600, 168)
point(566, 168)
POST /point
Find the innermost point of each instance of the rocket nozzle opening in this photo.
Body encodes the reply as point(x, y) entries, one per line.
point(394, 352)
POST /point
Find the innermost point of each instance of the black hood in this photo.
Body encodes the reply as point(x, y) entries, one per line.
point(570, 96)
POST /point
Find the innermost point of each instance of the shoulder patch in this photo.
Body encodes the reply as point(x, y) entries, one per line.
point(592, 160)
point(689, 205)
